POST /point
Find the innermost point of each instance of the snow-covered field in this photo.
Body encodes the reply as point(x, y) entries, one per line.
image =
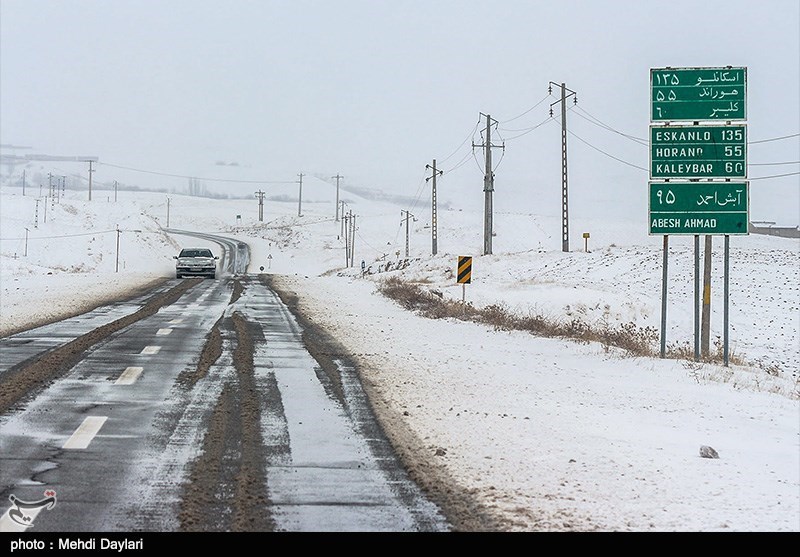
point(550, 433)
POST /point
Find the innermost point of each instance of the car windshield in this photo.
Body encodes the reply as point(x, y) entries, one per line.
point(196, 253)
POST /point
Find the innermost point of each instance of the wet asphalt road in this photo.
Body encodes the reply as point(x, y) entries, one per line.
point(208, 415)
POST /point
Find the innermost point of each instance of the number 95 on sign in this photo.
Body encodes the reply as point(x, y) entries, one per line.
point(698, 208)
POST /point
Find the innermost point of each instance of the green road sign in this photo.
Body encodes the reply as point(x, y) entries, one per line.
point(690, 152)
point(696, 94)
point(705, 208)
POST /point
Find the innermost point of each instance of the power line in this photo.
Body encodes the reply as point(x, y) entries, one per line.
point(60, 236)
point(775, 176)
point(774, 139)
point(596, 121)
point(461, 163)
point(470, 135)
point(601, 124)
point(646, 170)
point(199, 178)
point(526, 131)
point(524, 113)
point(606, 154)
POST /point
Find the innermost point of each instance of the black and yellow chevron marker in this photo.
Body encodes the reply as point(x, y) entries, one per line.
point(464, 269)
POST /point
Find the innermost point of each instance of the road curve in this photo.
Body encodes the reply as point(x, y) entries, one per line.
point(204, 413)
point(235, 257)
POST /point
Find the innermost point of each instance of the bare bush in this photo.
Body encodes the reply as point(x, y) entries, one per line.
point(634, 340)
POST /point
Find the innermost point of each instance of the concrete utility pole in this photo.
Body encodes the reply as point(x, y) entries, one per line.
point(705, 335)
point(23, 183)
point(408, 216)
point(434, 230)
point(337, 196)
point(64, 186)
point(168, 200)
point(564, 204)
point(116, 267)
point(115, 197)
point(260, 196)
point(26, 241)
point(341, 234)
point(352, 237)
point(346, 234)
point(488, 186)
point(91, 171)
point(300, 196)
point(36, 215)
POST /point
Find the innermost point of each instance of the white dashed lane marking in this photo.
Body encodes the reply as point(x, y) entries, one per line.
point(176, 321)
point(151, 350)
point(129, 376)
point(85, 433)
point(164, 332)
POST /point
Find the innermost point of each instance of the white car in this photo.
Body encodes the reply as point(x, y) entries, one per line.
point(196, 262)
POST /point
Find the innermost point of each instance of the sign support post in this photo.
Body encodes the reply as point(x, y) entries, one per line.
point(726, 288)
point(688, 163)
point(696, 297)
point(664, 299)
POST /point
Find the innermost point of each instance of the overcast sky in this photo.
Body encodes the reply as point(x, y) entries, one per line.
point(374, 90)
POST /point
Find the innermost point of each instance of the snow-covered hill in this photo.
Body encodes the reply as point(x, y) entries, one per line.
point(551, 433)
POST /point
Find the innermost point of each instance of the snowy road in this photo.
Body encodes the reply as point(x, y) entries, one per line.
point(204, 413)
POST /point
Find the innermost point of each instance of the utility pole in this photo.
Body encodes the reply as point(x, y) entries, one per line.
point(337, 196)
point(352, 237)
point(36, 215)
point(168, 200)
point(343, 229)
point(300, 197)
point(23, 183)
point(408, 216)
point(345, 233)
point(705, 335)
point(434, 230)
point(26, 241)
point(488, 186)
point(91, 171)
point(49, 184)
point(64, 186)
point(564, 204)
point(116, 269)
point(115, 199)
point(260, 196)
